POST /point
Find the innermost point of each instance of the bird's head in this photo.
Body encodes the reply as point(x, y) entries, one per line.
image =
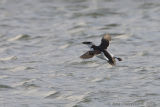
point(107, 37)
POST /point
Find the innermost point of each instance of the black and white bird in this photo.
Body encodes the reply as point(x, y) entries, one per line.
point(100, 51)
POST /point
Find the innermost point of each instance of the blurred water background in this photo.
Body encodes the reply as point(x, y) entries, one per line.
point(40, 45)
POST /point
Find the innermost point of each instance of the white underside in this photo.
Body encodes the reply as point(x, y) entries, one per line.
point(102, 56)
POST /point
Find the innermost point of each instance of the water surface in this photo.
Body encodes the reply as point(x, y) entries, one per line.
point(40, 45)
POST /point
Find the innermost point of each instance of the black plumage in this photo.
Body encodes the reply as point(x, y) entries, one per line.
point(102, 48)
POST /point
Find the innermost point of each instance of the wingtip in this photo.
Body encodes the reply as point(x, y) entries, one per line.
point(87, 55)
point(86, 42)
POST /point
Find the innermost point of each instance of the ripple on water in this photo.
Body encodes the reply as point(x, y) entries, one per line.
point(30, 85)
point(3, 76)
point(139, 102)
point(20, 37)
point(52, 94)
point(59, 76)
point(27, 84)
point(100, 12)
point(143, 53)
point(77, 99)
point(84, 64)
point(100, 79)
point(8, 58)
point(19, 68)
point(64, 46)
point(150, 104)
point(109, 26)
point(4, 87)
point(123, 36)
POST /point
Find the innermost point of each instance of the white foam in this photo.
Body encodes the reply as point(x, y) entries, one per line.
point(64, 46)
point(18, 37)
point(122, 36)
point(8, 58)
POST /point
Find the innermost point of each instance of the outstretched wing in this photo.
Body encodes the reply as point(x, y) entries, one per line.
point(111, 60)
point(89, 54)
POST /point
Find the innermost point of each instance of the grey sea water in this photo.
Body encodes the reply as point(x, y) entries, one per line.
point(40, 45)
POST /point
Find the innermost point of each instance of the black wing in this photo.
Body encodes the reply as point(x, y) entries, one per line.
point(87, 43)
point(111, 60)
point(89, 54)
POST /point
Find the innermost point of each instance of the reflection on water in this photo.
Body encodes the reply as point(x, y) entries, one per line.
point(40, 45)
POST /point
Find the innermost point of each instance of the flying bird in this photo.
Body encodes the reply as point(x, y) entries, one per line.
point(100, 50)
